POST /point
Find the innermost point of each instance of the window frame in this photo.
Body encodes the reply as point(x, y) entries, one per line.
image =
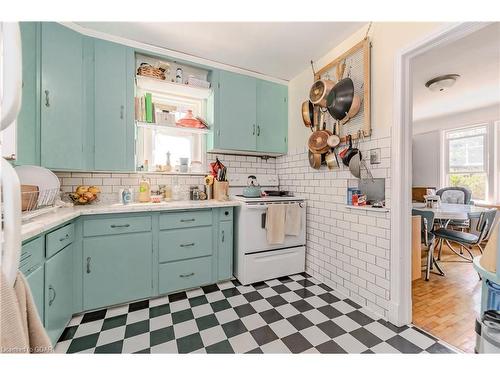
point(490, 155)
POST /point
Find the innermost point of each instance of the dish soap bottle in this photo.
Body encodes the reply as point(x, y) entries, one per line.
point(144, 191)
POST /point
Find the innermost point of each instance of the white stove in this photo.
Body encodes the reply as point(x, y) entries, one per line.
point(254, 258)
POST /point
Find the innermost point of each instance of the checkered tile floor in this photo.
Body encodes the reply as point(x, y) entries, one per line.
point(295, 314)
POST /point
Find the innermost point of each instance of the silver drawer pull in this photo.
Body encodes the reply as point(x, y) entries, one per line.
point(64, 238)
point(120, 226)
point(88, 264)
point(187, 274)
point(223, 236)
point(187, 244)
point(47, 102)
point(51, 288)
point(186, 220)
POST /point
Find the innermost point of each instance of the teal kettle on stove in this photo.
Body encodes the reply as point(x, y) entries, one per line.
point(253, 189)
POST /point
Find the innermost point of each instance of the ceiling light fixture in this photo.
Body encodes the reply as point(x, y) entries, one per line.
point(442, 83)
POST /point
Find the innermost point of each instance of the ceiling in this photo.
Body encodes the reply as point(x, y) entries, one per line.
point(476, 58)
point(276, 49)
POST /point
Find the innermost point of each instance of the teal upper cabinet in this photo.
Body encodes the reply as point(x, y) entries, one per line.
point(62, 98)
point(272, 117)
point(28, 121)
point(113, 106)
point(250, 115)
point(236, 129)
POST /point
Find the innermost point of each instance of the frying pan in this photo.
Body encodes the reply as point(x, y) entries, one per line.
point(340, 98)
point(320, 91)
point(308, 113)
point(333, 140)
point(318, 141)
point(355, 164)
point(347, 155)
point(314, 160)
point(353, 111)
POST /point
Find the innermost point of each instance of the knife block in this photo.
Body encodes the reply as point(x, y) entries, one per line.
point(221, 189)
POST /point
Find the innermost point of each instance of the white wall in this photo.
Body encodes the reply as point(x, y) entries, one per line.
point(456, 120)
point(349, 249)
point(387, 38)
point(426, 159)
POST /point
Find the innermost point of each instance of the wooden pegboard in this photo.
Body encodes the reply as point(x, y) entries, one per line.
point(358, 68)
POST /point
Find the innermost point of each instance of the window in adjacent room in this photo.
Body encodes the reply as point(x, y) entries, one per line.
point(466, 158)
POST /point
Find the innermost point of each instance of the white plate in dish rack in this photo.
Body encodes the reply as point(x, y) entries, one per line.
point(44, 178)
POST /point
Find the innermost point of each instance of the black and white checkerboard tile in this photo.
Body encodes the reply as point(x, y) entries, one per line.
point(295, 314)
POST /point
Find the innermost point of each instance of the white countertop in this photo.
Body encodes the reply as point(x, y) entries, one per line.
point(50, 220)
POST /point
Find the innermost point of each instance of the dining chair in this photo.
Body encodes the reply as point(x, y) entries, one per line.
point(465, 239)
point(428, 239)
point(455, 194)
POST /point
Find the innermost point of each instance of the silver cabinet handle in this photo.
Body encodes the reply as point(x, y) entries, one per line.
point(88, 264)
point(122, 109)
point(64, 238)
point(187, 244)
point(187, 274)
point(120, 226)
point(253, 131)
point(258, 130)
point(47, 102)
point(51, 288)
point(187, 220)
point(223, 236)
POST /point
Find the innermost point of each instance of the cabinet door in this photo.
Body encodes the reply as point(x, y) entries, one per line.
point(28, 121)
point(113, 106)
point(35, 280)
point(58, 292)
point(272, 117)
point(116, 269)
point(225, 256)
point(237, 112)
point(62, 104)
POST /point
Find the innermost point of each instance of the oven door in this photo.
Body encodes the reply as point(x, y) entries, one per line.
point(251, 228)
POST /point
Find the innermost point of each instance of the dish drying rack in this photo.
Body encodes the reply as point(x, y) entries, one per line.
point(39, 202)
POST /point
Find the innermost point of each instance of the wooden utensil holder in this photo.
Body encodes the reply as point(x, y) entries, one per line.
point(221, 189)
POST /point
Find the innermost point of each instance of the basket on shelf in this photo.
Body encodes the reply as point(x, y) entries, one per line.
point(150, 71)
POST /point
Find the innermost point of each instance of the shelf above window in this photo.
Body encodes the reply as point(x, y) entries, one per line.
point(148, 125)
point(156, 85)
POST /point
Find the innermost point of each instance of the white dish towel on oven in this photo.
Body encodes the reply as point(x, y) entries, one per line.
point(275, 224)
point(293, 220)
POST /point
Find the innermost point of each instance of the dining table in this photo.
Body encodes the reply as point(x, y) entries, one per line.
point(447, 212)
point(451, 211)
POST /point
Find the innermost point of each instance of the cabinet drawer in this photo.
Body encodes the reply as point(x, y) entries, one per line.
point(185, 219)
point(185, 243)
point(117, 225)
point(59, 239)
point(185, 274)
point(226, 214)
point(31, 255)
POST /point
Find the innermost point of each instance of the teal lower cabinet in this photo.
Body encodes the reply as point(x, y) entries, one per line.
point(185, 274)
point(102, 260)
point(35, 281)
point(116, 269)
point(58, 292)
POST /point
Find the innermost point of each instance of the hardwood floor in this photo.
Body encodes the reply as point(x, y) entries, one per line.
point(447, 306)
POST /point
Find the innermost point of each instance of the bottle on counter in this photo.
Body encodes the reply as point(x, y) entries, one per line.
point(126, 196)
point(176, 190)
point(144, 191)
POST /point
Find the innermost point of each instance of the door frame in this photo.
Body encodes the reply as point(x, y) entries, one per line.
point(400, 303)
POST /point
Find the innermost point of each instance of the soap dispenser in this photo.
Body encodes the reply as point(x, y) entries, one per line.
point(144, 191)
